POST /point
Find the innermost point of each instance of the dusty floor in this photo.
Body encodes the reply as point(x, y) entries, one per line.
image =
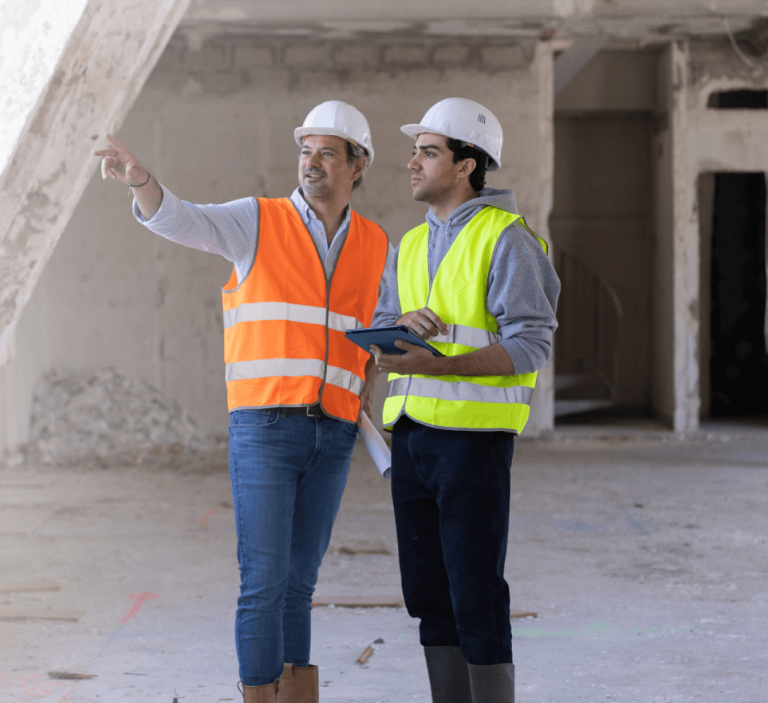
point(645, 558)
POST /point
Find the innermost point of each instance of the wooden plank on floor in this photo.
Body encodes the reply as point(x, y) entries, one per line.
point(38, 614)
point(359, 602)
point(29, 587)
point(70, 675)
point(523, 614)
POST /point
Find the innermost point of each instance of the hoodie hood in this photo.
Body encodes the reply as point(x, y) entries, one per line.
point(443, 234)
point(502, 199)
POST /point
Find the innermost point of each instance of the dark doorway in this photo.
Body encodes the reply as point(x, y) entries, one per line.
point(738, 364)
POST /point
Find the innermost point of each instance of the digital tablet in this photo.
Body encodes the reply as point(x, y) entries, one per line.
point(384, 338)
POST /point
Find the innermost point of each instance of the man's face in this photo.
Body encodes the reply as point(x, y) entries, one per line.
point(324, 173)
point(433, 173)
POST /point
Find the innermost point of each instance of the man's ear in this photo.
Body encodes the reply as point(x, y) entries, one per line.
point(466, 168)
point(357, 168)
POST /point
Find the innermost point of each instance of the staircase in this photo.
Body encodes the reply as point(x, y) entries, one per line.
point(587, 340)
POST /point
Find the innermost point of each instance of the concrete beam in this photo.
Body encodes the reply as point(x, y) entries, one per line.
point(571, 61)
point(99, 72)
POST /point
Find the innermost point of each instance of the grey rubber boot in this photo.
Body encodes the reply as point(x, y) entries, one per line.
point(448, 675)
point(492, 684)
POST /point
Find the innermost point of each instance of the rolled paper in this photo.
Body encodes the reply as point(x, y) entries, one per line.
point(376, 447)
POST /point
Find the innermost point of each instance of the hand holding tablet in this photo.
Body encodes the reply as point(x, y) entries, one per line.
point(385, 337)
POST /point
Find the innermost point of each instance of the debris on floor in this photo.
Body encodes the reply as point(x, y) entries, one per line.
point(366, 654)
point(37, 614)
point(360, 602)
point(70, 676)
point(523, 614)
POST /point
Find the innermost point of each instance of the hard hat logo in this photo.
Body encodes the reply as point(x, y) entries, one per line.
point(458, 118)
point(338, 119)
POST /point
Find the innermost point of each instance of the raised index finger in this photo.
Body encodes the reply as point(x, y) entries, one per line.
point(116, 144)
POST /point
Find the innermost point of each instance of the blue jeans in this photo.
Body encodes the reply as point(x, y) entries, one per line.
point(450, 490)
point(288, 475)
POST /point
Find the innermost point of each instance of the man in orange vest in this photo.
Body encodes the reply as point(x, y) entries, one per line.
point(306, 268)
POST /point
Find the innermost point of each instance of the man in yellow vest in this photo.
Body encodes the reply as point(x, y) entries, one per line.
point(476, 283)
point(306, 268)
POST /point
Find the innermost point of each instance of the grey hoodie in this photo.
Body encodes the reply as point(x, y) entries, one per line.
point(522, 284)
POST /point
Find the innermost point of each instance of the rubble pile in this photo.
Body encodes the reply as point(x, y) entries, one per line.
point(106, 414)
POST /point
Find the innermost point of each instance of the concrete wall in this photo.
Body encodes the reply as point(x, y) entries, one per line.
point(603, 200)
point(215, 122)
point(68, 75)
point(717, 141)
point(32, 37)
point(692, 140)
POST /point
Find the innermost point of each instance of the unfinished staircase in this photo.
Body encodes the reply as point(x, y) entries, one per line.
point(587, 340)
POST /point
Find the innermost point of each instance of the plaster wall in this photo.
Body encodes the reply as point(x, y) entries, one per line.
point(215, 122)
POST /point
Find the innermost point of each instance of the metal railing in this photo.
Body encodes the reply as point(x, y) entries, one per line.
point(589, 315)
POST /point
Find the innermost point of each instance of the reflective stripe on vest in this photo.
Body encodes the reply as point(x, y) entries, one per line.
point(284, 323)
point(251, 312)
point(458, 296)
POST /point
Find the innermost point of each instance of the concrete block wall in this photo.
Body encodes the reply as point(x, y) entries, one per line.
point(215, 122)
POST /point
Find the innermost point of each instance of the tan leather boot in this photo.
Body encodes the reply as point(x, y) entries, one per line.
point(259, 694)
point(298, 684)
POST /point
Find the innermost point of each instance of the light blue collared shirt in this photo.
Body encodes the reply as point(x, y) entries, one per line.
point(232, 230)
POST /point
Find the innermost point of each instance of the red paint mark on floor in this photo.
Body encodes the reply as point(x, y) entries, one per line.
point(140, 599)
point(36, 686)
point(204, 519)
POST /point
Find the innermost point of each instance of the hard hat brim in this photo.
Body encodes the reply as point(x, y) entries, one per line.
point(300, 132)
point(414, 130)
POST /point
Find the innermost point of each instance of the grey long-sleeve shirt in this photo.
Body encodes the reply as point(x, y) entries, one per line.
point(523, 287)
point(232, 230)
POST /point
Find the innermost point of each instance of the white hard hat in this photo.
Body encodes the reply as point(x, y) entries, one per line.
point(466, 121)
point(338, 119)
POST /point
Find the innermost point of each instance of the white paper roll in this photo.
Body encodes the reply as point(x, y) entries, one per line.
point(376, 447)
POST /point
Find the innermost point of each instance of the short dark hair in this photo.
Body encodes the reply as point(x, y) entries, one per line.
point(462, 150)
point(354, 153)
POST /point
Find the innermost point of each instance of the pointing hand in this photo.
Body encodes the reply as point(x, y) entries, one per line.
point(120, 163)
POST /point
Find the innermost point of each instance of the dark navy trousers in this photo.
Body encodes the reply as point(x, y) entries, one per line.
point(450, 491)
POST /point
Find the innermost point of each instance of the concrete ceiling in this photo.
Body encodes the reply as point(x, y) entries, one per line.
point(331, 19)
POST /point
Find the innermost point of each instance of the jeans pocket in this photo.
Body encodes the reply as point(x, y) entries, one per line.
point(350, 428)
point(253, 418)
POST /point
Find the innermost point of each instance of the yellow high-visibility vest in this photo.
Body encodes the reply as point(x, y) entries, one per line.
point(458, 296)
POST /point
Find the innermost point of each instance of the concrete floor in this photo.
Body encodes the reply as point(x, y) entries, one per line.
point(645, 558)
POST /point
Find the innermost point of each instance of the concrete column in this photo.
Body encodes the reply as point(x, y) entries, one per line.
point(686, 255)
point(542, 419)
point(675, 385)
point(92, 83)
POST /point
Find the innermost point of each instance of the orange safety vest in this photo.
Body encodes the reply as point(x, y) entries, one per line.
point(284, 324)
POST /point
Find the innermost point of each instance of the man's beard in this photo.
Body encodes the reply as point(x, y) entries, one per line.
point(321, 191)
point(423, 194)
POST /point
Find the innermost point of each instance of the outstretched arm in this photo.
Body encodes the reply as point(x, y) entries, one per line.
point(118, 162)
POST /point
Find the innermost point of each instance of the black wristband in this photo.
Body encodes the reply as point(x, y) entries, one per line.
point(149, 178)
